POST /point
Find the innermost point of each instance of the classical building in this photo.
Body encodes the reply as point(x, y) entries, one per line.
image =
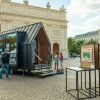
point(13, 15)
point(95, 35)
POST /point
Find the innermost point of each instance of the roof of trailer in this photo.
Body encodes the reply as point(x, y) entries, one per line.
point(31, 31)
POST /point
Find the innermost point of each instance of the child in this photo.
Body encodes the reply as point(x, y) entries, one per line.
point(61, 60)
point(56, 60)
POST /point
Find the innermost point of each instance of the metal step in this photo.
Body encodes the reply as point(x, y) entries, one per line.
point(41, 66)
point(48, 73)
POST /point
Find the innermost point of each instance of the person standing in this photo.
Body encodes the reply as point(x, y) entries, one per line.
point(61, 60)
point(56, 60)
point(5, 63)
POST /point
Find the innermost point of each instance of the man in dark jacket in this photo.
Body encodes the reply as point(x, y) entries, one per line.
point(5, 63)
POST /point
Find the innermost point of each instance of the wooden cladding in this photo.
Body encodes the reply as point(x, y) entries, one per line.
point(43, 46)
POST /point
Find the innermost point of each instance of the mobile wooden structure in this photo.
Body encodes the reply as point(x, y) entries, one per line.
point(29, 48)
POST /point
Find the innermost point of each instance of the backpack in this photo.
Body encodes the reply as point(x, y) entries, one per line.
point(5, 57)
point(60, 71)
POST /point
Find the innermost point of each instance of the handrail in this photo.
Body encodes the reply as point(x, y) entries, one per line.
point(39, 59)
point(37, 56)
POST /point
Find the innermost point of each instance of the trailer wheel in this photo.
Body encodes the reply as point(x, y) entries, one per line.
point(11, 71)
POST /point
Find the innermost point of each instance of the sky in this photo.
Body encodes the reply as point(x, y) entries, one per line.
point(83, 15)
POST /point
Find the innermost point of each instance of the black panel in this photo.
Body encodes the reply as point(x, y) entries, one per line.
point(29, 57)
point(20, 37)
point(24, 60)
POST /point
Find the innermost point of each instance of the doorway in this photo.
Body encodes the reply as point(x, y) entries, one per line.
point(55, 48)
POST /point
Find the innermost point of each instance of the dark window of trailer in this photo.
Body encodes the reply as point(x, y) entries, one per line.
point(11, 47)
point(1, 47)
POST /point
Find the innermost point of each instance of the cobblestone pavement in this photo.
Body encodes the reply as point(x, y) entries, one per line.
point(35, 88)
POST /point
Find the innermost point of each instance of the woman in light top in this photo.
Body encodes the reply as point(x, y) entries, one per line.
point(56, 60)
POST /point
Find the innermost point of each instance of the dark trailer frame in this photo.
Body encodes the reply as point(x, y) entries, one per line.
point(33, 48)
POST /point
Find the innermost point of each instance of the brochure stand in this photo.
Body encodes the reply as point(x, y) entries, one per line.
point(89, 62)
point(92, 62)
point(81, 93)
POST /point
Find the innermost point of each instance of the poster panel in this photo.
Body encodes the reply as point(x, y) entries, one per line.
point(87, 54)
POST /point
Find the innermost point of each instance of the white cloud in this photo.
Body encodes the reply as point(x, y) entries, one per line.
point(84, 15)
point(76, 29)
point(80, 7)
point(93, 23)
point(93, 1)
point(83, 9)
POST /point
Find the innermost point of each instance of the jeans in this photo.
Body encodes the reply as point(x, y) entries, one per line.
point(6, 66)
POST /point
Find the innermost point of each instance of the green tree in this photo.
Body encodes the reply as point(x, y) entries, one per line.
point(71, 45)
point(78, 44)
point(74, 45)
point(91, 41)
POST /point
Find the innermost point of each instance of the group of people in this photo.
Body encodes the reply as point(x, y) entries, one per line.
point(58, 57)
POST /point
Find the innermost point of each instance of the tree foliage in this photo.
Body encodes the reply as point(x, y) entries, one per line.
point(78, 45)
point(74, 45)
point(91, 41)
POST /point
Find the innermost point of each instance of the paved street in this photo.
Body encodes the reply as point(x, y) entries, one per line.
point(35, 88)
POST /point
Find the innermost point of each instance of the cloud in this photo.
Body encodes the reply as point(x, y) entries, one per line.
point(87, 12)
point(81, 7)
point(76, 29)
point(90, 24)
point(84, 15)
point(93, 23)
point(93, 1)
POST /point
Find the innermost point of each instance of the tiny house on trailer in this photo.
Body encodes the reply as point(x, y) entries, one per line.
point(29, 48)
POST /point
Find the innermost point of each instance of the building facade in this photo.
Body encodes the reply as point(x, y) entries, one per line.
point(95, 35)
point(13, 15)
